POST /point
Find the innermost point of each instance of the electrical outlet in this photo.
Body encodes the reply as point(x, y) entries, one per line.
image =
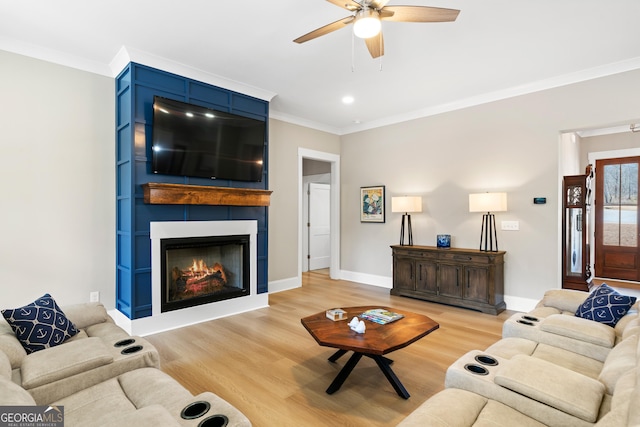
point(511, 225)
point(94, 296)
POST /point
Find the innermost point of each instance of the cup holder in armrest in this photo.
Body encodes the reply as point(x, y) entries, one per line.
point(530, 318)
point(484, 359)
point(132, 349)
point(195, 410)
point(476, 369)
point(217, 420)
point(125, 342)
point(525, 322)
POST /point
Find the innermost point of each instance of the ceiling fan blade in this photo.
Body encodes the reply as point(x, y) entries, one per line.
point(375, 45)
point(346, 4)
point(378, 4)
point(420, 14)
point(334, 26)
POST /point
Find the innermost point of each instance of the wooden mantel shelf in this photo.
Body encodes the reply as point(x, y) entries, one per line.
point(178, 194)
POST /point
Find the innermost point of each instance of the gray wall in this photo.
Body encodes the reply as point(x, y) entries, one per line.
point(612, 142)
point(284, 141)
point(510, 145)
point(58, 182)
point(315, 167)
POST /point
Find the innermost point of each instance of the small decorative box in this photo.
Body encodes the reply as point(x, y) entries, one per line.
point(336, 314)
point(444, 241)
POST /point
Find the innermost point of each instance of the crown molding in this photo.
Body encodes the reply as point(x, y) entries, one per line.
point(554, 82)
point(274, 114)
point(130, 54)
point(53, 56)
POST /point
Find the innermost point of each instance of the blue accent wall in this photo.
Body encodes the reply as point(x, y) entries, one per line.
point(136, 86)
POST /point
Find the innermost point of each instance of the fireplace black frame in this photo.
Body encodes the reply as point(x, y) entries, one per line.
point(193, 242)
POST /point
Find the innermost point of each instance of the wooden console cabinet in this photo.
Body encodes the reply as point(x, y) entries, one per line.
point(463, 277)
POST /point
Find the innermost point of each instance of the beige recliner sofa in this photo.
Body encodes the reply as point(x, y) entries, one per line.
point(101, 350)
point(553, 322)
point(524, 381)
point(103, 376)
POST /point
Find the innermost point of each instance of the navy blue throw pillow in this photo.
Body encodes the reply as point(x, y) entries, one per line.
point(40, 325)
point(605, 305)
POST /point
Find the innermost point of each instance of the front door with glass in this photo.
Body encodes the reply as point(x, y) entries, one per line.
point(617, 253)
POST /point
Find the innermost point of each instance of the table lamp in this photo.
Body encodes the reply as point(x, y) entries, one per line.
point(406, 204)
point(488, 202)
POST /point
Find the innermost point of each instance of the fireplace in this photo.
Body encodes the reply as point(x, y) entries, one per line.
point(176, 317)
point(201, 270)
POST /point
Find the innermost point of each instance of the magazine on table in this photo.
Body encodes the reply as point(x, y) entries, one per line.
point(381, 316)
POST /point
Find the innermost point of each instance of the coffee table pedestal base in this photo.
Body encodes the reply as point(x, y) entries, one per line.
point(383, 363)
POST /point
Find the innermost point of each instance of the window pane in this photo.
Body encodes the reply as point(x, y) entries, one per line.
point(628, 204)
point(620, 215)
point(611, 212)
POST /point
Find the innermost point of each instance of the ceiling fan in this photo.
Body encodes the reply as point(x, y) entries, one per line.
point(367, 15)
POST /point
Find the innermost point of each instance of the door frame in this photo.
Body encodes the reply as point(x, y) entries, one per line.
point(334, 237)
point(602, 155)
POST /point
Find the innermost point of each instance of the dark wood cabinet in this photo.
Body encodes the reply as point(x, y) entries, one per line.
point(464, 277)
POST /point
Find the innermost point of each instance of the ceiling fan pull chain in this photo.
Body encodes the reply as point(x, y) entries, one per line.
point(353, 63)
point(381, 55)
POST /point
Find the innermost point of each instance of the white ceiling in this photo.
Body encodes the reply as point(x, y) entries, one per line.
point(495, 49)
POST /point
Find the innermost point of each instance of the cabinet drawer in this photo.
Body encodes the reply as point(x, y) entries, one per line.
point(414, 253)
point(465, 258)
point(419, 255)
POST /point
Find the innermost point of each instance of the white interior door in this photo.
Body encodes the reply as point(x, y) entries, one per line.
point(319, 226)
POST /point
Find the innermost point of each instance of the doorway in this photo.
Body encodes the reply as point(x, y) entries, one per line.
point(316, 243)
point(604, 146)
point(617, 253)
point(332, 161)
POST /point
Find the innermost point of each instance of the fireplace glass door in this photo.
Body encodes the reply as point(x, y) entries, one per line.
point(201, 270)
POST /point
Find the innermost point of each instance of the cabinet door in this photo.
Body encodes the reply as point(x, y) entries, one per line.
point(449, 280)
point(403, 273)
point(476, 287)
point(427, 277)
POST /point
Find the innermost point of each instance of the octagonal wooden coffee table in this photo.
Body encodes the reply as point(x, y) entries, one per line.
point(374, 343)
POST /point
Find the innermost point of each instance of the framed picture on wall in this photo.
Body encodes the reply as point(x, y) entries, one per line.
point(372, 202)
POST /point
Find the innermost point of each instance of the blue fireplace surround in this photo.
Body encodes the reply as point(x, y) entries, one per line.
point(136, 86)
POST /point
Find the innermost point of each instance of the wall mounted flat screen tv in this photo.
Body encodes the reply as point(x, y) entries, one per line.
point(189, 140)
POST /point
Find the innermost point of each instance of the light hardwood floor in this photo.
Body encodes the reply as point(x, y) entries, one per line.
point(266, 364)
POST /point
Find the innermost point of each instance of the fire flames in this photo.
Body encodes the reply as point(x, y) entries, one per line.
point(199, 269)
point(197, 279)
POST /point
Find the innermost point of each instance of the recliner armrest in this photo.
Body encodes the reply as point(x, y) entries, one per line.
point(553, 385)
point(86, 314)
point(149, 416)
point(565, 300)
point(580, 329)
point(63, 361)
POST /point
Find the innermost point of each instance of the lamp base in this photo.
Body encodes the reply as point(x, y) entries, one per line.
point(488, 233)
point(406, 217)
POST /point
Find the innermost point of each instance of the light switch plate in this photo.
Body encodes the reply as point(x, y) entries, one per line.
point(511, 225)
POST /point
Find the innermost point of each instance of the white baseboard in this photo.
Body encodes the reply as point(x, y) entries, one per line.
point(367, 279)
point(520, 304)
point(284, 284)
point(513, 303)
point(190, 316)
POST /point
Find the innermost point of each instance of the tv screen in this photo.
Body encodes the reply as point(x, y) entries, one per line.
point(189, 140)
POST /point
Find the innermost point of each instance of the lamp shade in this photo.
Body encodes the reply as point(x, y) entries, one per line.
point(488, 202)
point(367, 23)
point(406, 204)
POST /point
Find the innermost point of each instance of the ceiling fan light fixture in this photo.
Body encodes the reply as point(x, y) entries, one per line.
point(367, 23)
